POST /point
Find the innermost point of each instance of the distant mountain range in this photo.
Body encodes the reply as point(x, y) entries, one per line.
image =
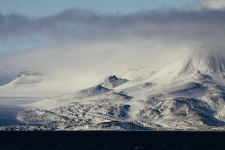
point(185, 95)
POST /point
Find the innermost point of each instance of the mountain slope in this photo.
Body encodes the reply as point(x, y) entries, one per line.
point(68, 98)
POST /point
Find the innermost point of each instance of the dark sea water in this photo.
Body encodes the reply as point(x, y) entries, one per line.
point(8, 114)
point(94, 140)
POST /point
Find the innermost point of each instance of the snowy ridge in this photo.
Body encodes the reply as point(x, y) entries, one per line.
point(105, 110)
point(66, 99)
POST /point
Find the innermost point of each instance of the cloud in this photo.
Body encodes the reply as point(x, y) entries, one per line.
point(84, 43)
point(209, 4)
point(84, 25)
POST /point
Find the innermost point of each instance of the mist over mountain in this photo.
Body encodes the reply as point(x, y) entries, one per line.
point(80, 74)
point(79, 42)
point(187, 94)
point(206, 61)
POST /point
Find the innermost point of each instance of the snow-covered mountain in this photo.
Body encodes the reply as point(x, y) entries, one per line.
point(207, 62)
point(38, 85)
point(188, 94)
point(27, 84)
point(28, 78)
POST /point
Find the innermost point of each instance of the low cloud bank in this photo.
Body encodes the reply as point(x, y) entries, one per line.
point(84, 44)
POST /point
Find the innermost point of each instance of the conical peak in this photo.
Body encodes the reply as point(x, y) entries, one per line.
point(206, 61)
point(208, 55)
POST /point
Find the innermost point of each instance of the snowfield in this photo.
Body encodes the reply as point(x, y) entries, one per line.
point(188, 94)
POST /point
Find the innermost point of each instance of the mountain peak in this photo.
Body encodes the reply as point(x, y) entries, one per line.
point(28, 77)
point(113, 81)
point(29, 73)
point(205, 61)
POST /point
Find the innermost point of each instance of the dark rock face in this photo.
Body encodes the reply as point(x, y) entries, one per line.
point(113, 81)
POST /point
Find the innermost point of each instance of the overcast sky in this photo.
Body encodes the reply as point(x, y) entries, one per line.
point(94, 38)
point(41, 8)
